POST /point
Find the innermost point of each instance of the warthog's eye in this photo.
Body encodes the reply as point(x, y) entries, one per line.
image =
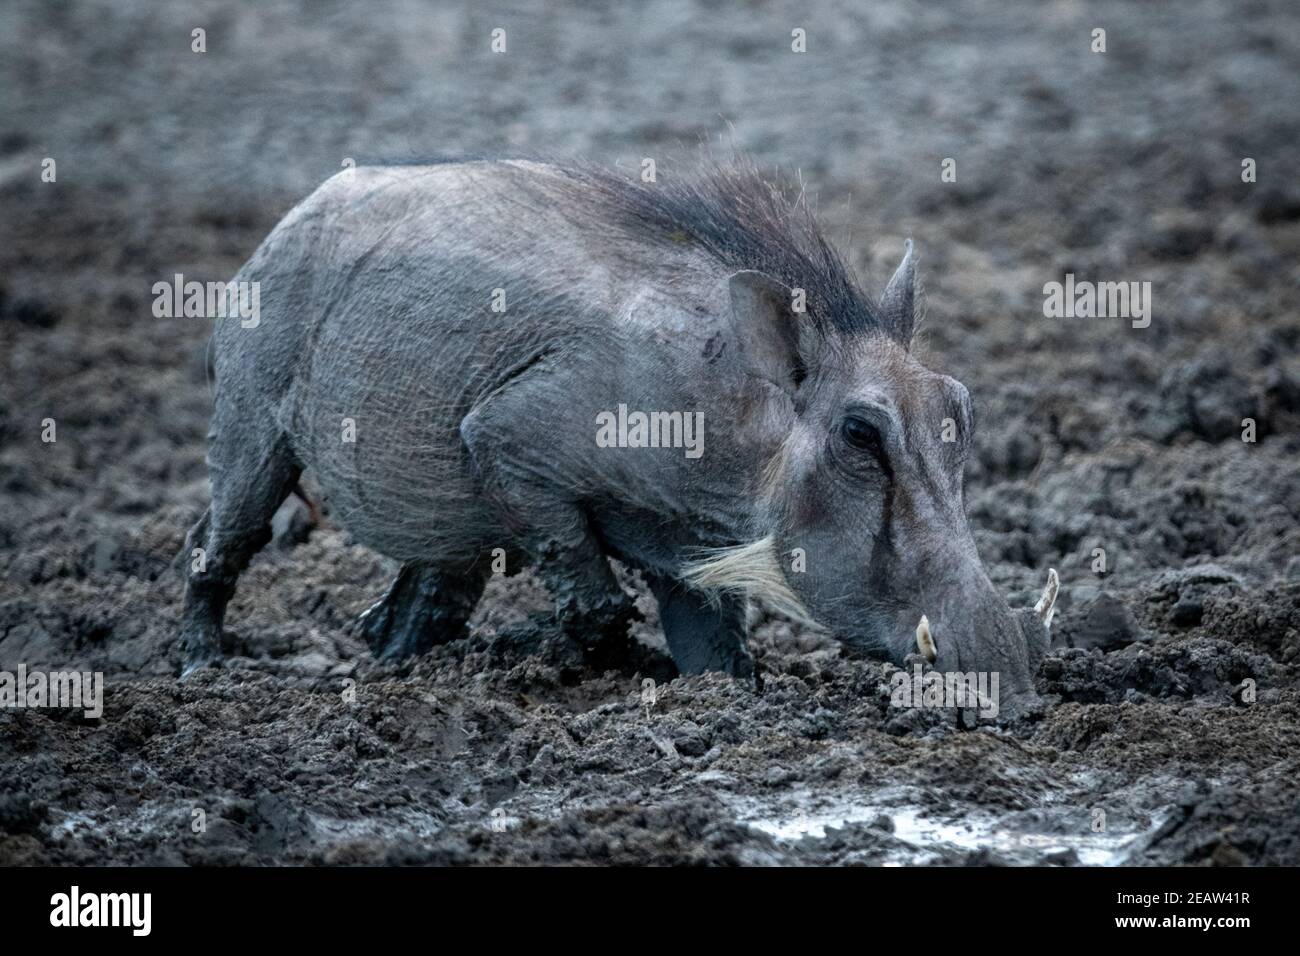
point(863, 436)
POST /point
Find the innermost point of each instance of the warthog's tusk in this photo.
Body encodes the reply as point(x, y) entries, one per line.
point(924, 642)
point(1046, 605)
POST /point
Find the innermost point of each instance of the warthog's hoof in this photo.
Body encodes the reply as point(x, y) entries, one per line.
point(423, 608)
point(396, 629)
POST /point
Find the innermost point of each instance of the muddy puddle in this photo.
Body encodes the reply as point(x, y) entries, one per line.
point(1050, 834)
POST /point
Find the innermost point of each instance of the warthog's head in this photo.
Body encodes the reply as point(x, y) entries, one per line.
point(866, 529)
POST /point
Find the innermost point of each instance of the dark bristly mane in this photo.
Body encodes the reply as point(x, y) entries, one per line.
point(733, 213)
point(745, 222)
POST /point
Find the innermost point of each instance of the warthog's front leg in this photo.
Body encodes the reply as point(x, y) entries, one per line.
point(703, 634)
point(539, 502)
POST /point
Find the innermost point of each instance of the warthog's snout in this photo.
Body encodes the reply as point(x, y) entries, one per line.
point(994, 651)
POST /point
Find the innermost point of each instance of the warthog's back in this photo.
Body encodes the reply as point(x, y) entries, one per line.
point(393, 299)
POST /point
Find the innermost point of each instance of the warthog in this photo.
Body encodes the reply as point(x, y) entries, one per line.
point(441, 345)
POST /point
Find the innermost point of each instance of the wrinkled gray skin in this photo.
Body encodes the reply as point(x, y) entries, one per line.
point(475, 429)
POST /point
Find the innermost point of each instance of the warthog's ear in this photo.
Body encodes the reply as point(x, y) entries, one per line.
point(898, 304)
point(769, 330)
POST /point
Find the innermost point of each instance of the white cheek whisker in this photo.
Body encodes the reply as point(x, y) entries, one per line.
point(751, 570)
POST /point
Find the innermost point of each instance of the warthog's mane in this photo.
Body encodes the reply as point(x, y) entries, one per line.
point(736, 217)
point(744, 222)
point(730, 211)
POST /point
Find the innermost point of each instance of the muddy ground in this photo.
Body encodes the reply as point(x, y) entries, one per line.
point(1124, 165)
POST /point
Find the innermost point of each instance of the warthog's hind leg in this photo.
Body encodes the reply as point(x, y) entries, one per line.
point(250, 479)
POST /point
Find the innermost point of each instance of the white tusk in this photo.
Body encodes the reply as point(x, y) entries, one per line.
point(924, 642)
point(1046, 605)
